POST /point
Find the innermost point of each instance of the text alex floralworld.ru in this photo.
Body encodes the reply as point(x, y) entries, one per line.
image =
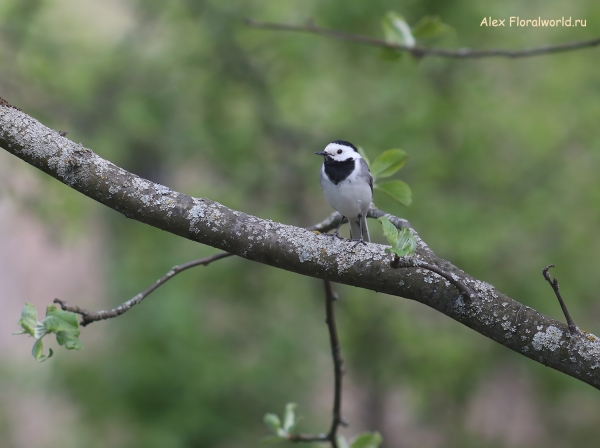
point(517, 21)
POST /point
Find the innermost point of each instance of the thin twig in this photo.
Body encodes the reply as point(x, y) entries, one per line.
point(407, 262)
point(461, 53)
point(92, 316)
point(338, 372)
point(554, 283)
point(327, 224)
point(338, 363)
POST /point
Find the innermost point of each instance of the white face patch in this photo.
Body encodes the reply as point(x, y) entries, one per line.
point(333, 150)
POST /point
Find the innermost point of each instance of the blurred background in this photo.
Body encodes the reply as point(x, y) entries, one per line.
point(504, 159)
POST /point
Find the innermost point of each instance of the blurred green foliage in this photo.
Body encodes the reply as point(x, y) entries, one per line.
point(504, 159)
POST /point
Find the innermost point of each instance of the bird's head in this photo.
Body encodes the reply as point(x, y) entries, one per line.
point(339, 151)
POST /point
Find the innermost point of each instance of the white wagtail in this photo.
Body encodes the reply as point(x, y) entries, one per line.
point(348, 186)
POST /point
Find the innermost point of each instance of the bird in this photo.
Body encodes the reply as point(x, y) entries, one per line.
point(347, 185)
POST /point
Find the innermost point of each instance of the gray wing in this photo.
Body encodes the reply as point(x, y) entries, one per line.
point(365, 173)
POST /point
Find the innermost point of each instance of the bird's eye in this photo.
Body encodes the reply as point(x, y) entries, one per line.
point(339, 151)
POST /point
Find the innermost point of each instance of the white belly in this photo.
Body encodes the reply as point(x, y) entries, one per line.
point(351, 197)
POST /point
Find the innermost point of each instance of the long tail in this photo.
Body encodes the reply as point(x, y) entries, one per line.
point(355, 229)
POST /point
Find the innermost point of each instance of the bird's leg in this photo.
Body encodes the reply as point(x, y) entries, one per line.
point(360, 240)
point(337, 231)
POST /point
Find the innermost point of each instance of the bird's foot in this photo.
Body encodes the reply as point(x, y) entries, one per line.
point(358, 241)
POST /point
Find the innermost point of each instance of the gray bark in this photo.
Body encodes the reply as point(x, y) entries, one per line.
point(295, 249)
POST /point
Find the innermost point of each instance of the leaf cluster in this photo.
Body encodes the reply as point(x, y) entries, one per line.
point(402, 241)
point(396, 30)
point(63, 324)
point(386, 165)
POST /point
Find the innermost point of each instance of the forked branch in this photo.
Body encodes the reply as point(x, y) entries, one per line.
point(554, 283)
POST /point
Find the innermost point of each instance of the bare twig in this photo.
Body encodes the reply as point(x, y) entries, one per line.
point(461, 53)
point(338, 371)
point(92, 316)
point(407, 262)
point(554, 283)
point(329, 223)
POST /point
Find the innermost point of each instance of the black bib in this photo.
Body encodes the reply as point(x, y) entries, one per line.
point(338, 171)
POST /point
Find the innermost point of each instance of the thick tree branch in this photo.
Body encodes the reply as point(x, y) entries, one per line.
point(93, 316)
point(461, 53)
point(491, 314)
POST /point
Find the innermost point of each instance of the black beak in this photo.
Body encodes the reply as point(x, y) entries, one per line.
point(321, 153)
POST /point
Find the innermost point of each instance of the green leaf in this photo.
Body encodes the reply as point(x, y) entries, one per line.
point(30, 324)
point(402, 241)
point(367, 440)
point(65, 325)
point(399, 252)
point(273, 423)
point(59, 320)
point(55, 324)
point(397, 190)
point(407, 241)
point(388, 163)
point(390, 231)
point(430, 26)
point(38, 351)
point(363, 154)
point(406, 245)
point(289, 419)
point(69, 339)
point(28, 320)
point(342, 442)
point(396, 30)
